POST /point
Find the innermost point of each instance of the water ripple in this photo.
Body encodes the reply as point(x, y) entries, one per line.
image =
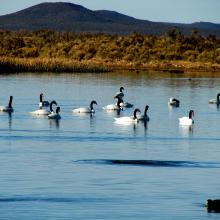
point(155, 163)
point(51, 199)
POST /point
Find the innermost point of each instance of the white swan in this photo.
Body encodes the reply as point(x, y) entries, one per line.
point(215, 101)
point(43, 103)
point(55, 115)
point(42, 111)
point(174, 102)
point(187, 120)
point(9, 107)
point(144, 117)
point(128, 119)
point(117, 106)
point(85, 109)
point(120, 93)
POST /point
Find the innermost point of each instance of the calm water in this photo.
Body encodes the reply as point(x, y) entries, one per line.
point(86, 167)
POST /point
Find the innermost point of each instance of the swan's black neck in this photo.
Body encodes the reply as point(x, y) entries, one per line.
point(121, 89)
point(218, 97)
point(145, 111)
point(41, 97)
point(119, 101)
point(92, 103)
point(135, 112)
point(191, 112)
point(10, 102)
point(58, 110)
point(51, 105)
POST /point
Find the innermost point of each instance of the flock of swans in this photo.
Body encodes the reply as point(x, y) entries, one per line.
point(118, 106)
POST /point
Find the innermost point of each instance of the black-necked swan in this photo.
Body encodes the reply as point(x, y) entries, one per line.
point(86, 109)
point(144, 117)
point(43, 103)
point(42, 111)
point(187, 120)
point(215, 101)
point(9, 107)
point(174, 102)
point(117, 106)
point(55, 115)
point(120, 93)
point(128, 119)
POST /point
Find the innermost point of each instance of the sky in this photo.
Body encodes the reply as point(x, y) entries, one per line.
point(178, 11)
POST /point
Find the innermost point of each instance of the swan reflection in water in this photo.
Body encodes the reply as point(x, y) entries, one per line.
point(54, 123)
point(186, 130)
point(9, 118)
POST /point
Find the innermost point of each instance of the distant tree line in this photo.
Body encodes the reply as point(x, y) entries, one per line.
point(109, 48)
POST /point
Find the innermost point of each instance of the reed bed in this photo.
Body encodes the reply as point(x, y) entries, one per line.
point(57, 65)
point(12, 65)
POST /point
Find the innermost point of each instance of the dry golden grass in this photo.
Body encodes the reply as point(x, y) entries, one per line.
point(48, 65)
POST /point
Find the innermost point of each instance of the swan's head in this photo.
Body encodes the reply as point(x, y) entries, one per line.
point(121, 89)
point(93, 102)
point(51, 105)
point(146, 107)
point(218, 95)
point(135, 112)
point(191, 113)
point(58, 110)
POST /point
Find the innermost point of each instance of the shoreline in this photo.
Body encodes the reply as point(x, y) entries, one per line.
point(59, 65)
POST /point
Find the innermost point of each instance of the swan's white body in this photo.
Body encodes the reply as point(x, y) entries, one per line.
point(111, 107)
point(83, 110)
point(6, 109)
point(214, 101)
point(40, 112)
point(54, 115)
point(43, 111)
point(126, 120)
point(186, 121)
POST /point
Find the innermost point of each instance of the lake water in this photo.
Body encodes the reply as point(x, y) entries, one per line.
point(86, 167)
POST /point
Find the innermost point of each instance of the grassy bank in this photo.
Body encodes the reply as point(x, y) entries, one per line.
point(48, 51)
point(11, 65)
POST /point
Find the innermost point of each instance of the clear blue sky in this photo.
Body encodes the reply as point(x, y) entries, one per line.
point(183, 11)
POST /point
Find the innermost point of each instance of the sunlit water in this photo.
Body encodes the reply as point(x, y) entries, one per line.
point(86, 167)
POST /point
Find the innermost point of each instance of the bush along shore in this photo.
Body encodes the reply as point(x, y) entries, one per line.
point(49, 51)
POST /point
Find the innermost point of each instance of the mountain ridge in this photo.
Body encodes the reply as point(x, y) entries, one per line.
point(65, 16)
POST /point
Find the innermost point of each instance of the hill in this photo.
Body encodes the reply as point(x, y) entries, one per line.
point(62, 16)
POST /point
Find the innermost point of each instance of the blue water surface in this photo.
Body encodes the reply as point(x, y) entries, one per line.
point(88, 167)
